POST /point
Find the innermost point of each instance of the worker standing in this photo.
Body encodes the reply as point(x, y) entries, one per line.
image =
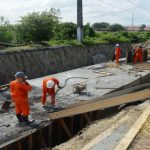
point(138, 55)
point(19, 89)
point(49, 85)
point(117, 53)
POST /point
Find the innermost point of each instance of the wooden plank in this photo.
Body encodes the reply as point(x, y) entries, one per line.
point(133, 97)
point(65, 128)
point(104, 134)
point(19, 147)
point(5, 148)
point(71, 120)
point(114, 94)
point(50, 135)
point(87, 118)
point(41, 139)
point(126, 141)
point(30, 142)
point(18, 138)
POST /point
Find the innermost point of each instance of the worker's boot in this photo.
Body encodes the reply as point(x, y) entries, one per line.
point(26, 120)
point(19, 117)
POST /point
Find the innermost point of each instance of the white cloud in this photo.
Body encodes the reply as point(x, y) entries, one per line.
point(112, 11)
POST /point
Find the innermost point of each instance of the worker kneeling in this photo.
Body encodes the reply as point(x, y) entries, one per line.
point(19, 89)
point(49, 85)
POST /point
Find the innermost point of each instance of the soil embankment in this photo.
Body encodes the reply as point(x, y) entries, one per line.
point(44, 61)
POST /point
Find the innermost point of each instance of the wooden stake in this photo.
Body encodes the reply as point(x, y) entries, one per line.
point(87, 118)
point(62, 122)
point(41, 139)
point(30, 142)
point(19, 145)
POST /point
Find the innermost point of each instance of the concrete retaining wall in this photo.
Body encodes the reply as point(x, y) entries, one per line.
point(41, 62)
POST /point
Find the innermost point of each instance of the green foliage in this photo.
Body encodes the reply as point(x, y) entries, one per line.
point(66, 31)
point(38, 26)
point(102, 26)
point(116, 27)
point(88, 31)
point(142, 27)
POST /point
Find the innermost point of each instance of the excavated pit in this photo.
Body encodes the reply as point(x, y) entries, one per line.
point(50, 134)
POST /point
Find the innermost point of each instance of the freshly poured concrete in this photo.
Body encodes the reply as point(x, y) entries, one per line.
point(120, 77)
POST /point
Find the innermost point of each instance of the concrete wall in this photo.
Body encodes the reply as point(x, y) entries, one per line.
point(41, 62)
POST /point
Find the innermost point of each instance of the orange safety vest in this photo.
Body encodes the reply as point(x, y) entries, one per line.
point(47, 90)
point(19, 91)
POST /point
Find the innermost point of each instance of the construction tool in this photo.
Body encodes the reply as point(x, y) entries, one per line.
point(79, 88)
point(67, 81)
point(6, 106)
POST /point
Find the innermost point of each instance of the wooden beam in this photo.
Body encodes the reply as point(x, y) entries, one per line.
point(50, 135)
point(87, 118)
point(113, 94)
point(30, 142)
point(62, 122)
point(41, 139)
point(105, 134)
point(111, 102)
point(126, 141)
point(5, 148)
point(19, 147)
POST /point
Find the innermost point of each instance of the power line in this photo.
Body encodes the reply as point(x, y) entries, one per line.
point(140, 6)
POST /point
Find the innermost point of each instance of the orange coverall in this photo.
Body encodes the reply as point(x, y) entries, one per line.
point(19, 95)
point(117, 54)
point(51, 91)
point(138, 55)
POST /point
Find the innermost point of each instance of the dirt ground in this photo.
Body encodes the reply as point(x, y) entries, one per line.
point(98, 127)
point(142, 140)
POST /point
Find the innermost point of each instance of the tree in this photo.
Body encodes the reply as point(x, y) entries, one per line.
point(88, 31)
point(38, 26)
point(142, 27)
point(116, 27)
point(102, 26)
point(6, 31)
point(66, 31)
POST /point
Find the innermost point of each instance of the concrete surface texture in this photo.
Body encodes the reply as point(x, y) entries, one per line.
point(110, 131)
point(40, 62)
point(113, 77)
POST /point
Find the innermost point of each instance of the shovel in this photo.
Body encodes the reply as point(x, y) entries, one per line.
point(6, 106)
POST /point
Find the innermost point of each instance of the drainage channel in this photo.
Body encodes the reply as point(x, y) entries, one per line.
point(57, 132)
point(61, 130)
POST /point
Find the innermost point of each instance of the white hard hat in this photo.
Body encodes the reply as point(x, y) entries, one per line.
point(117, 45)
point(50, 84)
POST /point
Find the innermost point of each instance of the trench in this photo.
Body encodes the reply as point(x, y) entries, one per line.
point(61, 130)
point(40, 62)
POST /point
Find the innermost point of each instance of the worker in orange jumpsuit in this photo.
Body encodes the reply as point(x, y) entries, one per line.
point(49, 85)
point(19, 89)
point(117, 53)
point(138, 55)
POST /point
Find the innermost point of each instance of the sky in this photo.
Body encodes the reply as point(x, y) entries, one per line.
point(111, 11)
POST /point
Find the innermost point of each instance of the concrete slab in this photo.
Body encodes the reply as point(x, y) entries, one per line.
point(120, 77)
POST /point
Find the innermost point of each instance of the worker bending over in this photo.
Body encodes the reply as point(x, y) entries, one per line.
point(117, 53)
point(19, 89)
point(49, 85)
point(138, 55)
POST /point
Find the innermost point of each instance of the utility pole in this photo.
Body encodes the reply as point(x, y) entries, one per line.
point(79, 21)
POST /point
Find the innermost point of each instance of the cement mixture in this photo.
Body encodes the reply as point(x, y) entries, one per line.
point(118, 78)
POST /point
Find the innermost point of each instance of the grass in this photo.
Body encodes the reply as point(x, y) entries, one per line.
point(99, 38)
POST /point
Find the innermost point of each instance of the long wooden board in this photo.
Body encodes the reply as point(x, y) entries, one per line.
point(111, 102)
point(126, 141)
point(114, 94)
